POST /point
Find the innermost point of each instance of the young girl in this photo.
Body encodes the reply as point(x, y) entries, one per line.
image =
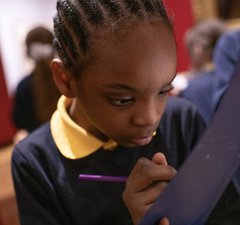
point(117, 59)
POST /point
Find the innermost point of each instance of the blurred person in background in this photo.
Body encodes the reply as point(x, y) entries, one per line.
point(200, 41)
point(206, 91)
point(36, 94)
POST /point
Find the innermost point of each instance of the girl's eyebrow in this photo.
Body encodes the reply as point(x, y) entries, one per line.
point(130, 88)
point(121, 86)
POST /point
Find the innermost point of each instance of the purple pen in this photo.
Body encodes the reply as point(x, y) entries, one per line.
point(101, 178)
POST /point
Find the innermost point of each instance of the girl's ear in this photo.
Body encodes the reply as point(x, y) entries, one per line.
point(62, 78)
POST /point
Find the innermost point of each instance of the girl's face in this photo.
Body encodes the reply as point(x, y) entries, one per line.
point(123, 95)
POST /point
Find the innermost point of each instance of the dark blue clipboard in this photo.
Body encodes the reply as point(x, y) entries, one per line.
point(192, 194)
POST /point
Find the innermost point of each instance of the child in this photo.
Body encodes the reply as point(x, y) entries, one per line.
point(200, 41)
point(117, 62)
point(36, 95)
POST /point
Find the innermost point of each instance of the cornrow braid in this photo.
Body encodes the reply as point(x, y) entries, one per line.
point(133, 6)
point(64, 38)
point(93, 11)
point(113, 7)
point(70, 34)
point(162, 12)
point(148, 6)
point(78, 22)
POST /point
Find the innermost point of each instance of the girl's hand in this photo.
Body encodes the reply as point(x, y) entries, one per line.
point(145, 183)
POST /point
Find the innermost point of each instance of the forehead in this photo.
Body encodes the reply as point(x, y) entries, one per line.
point(130, 34)
point(133, 53)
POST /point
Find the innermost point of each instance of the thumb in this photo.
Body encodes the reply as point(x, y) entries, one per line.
point(164, 221)
point(159, 158)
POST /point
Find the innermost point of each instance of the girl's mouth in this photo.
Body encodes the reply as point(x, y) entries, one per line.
point(142, 140)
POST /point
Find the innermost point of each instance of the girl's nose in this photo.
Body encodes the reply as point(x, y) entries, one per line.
point(148, 115)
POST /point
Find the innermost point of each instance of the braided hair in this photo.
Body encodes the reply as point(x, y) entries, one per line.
point(78, 22)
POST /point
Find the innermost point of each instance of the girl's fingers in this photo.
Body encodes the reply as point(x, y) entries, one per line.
point(159, 158)
point(147, 172)
point(150, 195)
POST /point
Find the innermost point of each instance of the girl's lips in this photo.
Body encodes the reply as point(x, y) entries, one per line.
point(142, 141)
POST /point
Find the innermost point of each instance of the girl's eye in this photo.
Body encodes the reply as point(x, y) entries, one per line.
point(121, 101)
point(164, 92)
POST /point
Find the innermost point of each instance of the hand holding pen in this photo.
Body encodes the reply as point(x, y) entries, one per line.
point(145, 183)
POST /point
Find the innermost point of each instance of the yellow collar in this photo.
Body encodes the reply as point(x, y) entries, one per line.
point(72, 140)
